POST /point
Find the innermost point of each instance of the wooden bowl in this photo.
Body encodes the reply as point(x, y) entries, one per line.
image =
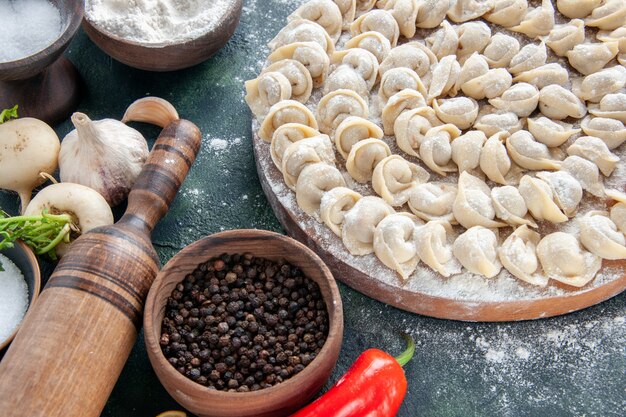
point(24, 258)
point(72, 14)
point(277, 401)
point(167, 56)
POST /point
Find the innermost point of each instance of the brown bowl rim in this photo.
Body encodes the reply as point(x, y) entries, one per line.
point(153, 346)
point(156, 45)
point(32, 259)
point(71, 28)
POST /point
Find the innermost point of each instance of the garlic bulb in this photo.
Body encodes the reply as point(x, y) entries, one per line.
point(105, 155)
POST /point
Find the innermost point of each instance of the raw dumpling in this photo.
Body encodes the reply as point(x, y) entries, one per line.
point(398, 79)
point(334, 206)
point(444, 41)
point(612, 106)
point(362, 61)
point(406, 99)
point(285, 136)
point(564, 38)
point(309, 54)
point(473, 37)
point(435, 149)
point(576, 9)
point(494, 160)
point(297, 74)
point(566, 190)
point(474, 67)
point(345, 77)
point(432, 12)
point(411, 127)
point(507, 13)
point(466, 150)
point(433, 201)
point(618, 35)
point(435, 249)
point(528, 153)
point(313, 182)
point(609, 16)
point(411, 55)
point(336, 106)
point(348, 12)
point(323, 12)
point(363, 158)
point(364, 6)
point(544, 75)
point(305, 152)
point(510, 206)
point(540, 200)
point(595, 150)
point(588, 58)
point(618, 215)
point(599, 235)
point(394, 243)
point(586, 172)
point(465, 10)
point(492, 123)
point(549, 132)
point(301, 30)
point(537, 21)
point(472, 205)
point(360, 223)
point(521, 99)
point(489, 85)
point(352, 130)
point(563, 260)
point(265, 91)
point(283, 112)
point(373, 42)
point(380, 21)
point(394, 177)
point(611, 131)
point(518, 255)
point(501, 49)
point(477, 250)
point(444, 77)
point(595, 87)
point(558, 103)
point(460, 111)
point(529, 57)
point(405, 13)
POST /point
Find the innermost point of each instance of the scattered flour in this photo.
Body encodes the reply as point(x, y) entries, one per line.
point(157, 21)
point(27, 27)
point(13, 298)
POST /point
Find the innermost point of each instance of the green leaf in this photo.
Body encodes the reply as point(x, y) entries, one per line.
point(8, 114)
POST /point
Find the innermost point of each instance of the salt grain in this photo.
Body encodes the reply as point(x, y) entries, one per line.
point(28, 27)
point(13, 297)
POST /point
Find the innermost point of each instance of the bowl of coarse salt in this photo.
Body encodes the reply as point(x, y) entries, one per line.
point(20, 282)
point(161, 35)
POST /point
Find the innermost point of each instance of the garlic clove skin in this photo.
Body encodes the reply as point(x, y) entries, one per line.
point(105, 155)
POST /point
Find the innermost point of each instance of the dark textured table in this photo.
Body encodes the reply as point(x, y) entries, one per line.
point(573, 365)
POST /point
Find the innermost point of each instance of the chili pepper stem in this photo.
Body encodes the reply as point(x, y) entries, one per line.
point(407, 355)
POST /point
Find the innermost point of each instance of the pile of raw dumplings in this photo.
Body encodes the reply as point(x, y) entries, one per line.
point(468, 104)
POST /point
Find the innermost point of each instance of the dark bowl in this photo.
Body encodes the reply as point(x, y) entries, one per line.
point(166, 56)
point(281, 399)
point(24, 258)
point(72, 14)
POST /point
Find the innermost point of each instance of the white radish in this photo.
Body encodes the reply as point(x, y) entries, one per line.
point(86, 206)
point(28, 147)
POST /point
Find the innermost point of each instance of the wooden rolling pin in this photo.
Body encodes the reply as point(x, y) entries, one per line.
point(74, 342)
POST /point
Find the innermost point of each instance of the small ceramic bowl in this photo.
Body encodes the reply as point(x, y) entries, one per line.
point(24, 258)
point(167, 56)
point(277, 401)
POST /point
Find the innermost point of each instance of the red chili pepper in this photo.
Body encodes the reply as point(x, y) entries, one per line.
point(374, 386)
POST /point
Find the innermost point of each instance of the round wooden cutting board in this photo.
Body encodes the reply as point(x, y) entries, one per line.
point(464, 297)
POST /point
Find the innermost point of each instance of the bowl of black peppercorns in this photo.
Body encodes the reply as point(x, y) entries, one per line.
point(244, 323)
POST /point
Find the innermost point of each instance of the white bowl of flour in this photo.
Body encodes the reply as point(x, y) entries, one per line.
point(161, 35)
